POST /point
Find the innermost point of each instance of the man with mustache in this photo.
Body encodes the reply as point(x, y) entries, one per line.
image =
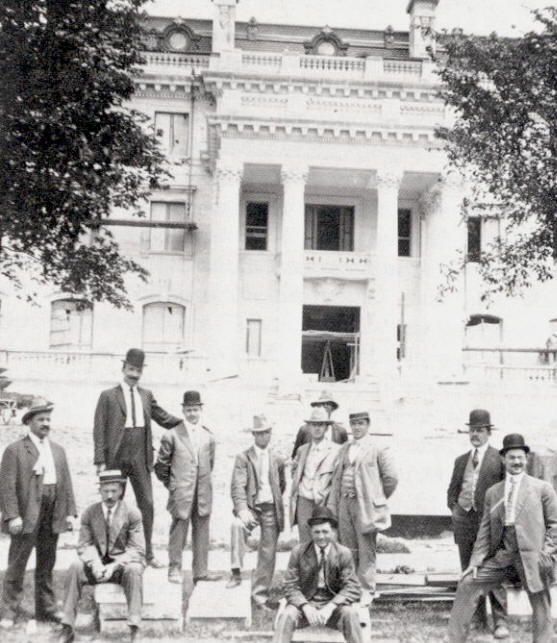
point(123, 439)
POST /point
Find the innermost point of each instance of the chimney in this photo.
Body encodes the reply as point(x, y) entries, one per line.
point(224, 25)
point(422, 19)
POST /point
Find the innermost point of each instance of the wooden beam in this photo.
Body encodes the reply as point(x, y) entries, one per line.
point(145, 223)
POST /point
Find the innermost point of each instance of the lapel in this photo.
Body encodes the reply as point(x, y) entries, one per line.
point(486, 461)
point(523, 490)
point(498, 507)
point(57, 458)
point(362, 452)
point(323, 455)
point(144, 403)
point(184, 437)
point(30, 449)
point(252, 457)
point(119, 394)
point(98, 524)
point(303, 451)
point(310, 558)
point(117, 523)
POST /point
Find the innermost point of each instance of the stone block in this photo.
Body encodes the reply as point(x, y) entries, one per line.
point(212, 601)
point(519, 605)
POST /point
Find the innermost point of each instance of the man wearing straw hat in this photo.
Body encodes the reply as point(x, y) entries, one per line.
point(37, 504)
point(474, 473)
point(258, 483)
point(312, 472)
point(123, 439)
point(111, 549)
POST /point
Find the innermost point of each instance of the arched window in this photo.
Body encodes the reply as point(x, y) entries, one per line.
point(71, 323)
point(163, 325)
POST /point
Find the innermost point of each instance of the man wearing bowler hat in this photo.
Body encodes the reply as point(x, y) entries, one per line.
point(474, 473)
point(320, 584)
point(517, 542)
point(123, 439)
point(184, 465)
point(37, 504)
point(258, 483)
point(338, 433)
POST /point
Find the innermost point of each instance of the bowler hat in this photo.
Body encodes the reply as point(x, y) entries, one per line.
point(514, 441)
point(322, 514)
point(111, 475)
point(38, 405)
point(260, 424)
point(362, 415)
point(480, 417)
point(192, 398)
point(135, 357)
point(319, 416)
point(325, 398)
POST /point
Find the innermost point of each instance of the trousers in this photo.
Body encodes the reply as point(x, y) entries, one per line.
point(140, 478)
point(345, 618)
point(266, 553)
point(130, 577)
point(304, 509)
point(44, 540)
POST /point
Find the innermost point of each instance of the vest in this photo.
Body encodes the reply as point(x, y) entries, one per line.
point(466, 496)
point(347, 484)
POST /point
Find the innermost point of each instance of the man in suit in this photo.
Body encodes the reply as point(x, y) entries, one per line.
point(320, 584)
point(312, 472)
point(111, 549)
point(123, 440)
point(184, 465)
point(258, 483)
point(37, 504)
point(363, 480)
point(474, 473)
point(338, 434)
point(517, 541)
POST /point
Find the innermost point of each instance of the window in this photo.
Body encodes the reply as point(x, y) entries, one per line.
point(474, 238)
point(404, 232)
point(329, 227)
point(167, 239)
point(172, 132)
point(71, 324)
point(163, 325)
point(253, 337)
point(257, 225)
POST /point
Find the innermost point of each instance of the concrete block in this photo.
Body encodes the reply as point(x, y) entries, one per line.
point(519, 605)
point(212, 601)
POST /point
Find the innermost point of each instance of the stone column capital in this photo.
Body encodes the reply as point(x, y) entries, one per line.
point(294, 173)
point(226, 170)
point(388, 178)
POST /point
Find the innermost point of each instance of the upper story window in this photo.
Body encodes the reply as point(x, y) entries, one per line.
point(404, 233)
point(71, 323)
point(329, 227)
point(167, 239)
point(257, 225)
point(474, 225)
point(163, 325)
point(172, 133)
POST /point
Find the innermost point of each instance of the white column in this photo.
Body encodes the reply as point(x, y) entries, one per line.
point(387, 289)
point(223, 279)
point(289, 348)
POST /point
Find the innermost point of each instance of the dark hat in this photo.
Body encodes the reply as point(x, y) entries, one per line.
point(320, 515)
point(363, 415)
point(480, 417)
point(38, 405)
point(135, 357)
point(325, 398)
point(260, 424)
point(111, 475)
point(319, 416)
point(514, 441)
point(192, 398)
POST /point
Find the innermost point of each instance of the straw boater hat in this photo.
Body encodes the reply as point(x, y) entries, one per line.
point(319, 416)
point(260, 424)
point(479, 418)
point(110, 476)
point(38, 405)
point(135, 357)
point(325, 398)
point(514, 441)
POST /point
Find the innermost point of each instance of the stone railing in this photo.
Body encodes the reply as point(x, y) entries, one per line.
point(184, 62)
point(330, 263)
point(536, 365)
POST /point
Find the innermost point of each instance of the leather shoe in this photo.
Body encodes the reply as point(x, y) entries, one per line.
point(66, 634)
point(133, 633)
point(208, 577)
point(501, 632)
point(234, 580)
point(175, 575)
point(155, 563)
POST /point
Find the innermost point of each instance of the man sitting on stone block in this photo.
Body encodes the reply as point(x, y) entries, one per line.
point(111, 549)
point(321, 585)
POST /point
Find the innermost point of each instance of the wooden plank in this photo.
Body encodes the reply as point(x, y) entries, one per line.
point(152, 612)
point(158, 628)
point(442, 580)
point(410, 580)
point(212, 600)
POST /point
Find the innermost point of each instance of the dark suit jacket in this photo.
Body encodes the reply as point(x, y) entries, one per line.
point(244, 483)
point(535, 525)
point(126, 539)
point(110, 419)
point(21, 488)
point(491, 471)
point(300, 581)
point(338, 434)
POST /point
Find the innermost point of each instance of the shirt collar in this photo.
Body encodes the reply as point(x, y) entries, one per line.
point(192, 427)
point(319, 446)
point(37, 441)
point(260, 451)
point(514, 477)
point(126, 387)
point(481, 450)
point(325, 549)
point(112, 510)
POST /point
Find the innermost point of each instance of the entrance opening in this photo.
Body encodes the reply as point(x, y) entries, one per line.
point(331, 342)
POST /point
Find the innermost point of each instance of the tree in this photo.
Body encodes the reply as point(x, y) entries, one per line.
point(504, 95)
point(70, 148)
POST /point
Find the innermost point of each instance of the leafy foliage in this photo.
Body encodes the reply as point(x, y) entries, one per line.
point(70, 148)
point(503, 92)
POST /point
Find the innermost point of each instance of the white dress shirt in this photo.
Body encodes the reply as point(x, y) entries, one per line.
point(510, 508)
point(353, 450)
point(112, 511)
point(45, 463)
point(321, 577)
point(316, 453)
point(264, 493)
point(139, 417)
point(481, 454)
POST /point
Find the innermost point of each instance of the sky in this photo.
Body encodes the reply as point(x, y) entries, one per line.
point(506, 17)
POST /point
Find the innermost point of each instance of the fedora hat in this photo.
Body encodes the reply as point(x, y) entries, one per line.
point(320, 515)
point(325, 398)
point(38, 405)
point(479, 417)
point(111, 475)
point(319, 416)
point(192, 398)
point(260, 424)
point(135, 357)
point(514, 441)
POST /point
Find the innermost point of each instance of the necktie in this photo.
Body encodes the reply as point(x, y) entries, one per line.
point(510, 500)
point(475, 459)
point(322, 564)
point(134, 419)
point(108, 518)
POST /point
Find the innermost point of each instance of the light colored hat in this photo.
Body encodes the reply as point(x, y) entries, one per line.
point(38, 405)
point(325, 398)
point(319, 416)
point(111, 475)
point(360, 415)
point(260, 424)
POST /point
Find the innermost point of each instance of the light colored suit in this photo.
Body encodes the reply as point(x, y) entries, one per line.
point(524, 552)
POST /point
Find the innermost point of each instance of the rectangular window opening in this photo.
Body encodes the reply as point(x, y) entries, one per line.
point(253, 337)
point(167, 239)
point(329, 227)
point(172, 132)
point(404, 233)
point(257, 225)
point(474, 225)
